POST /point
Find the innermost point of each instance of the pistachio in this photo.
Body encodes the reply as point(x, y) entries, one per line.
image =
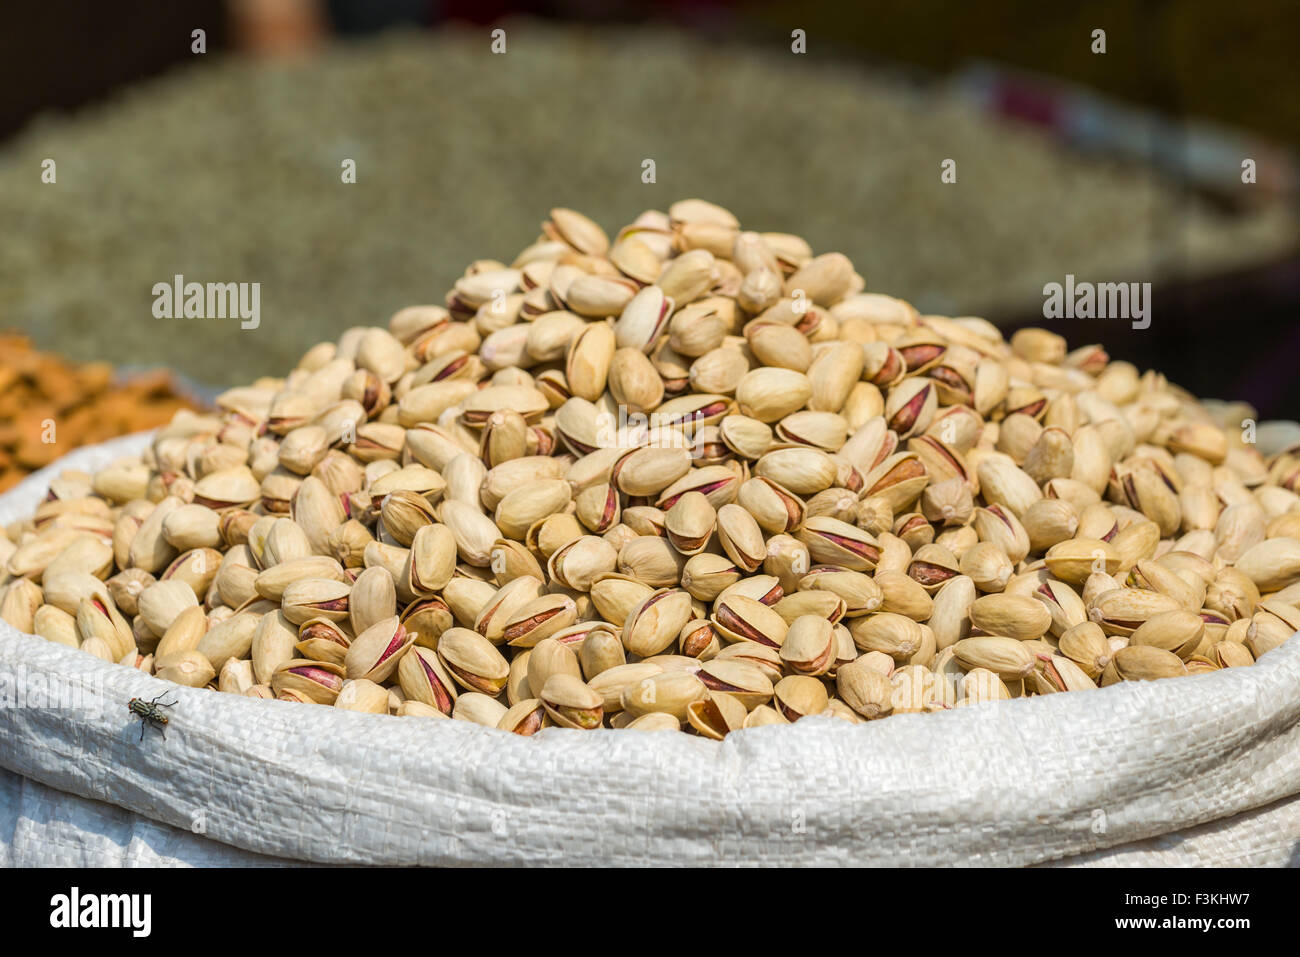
point(798, 696)
point(655, 623)
point(698, 447)
point(809, 647)
point(471, 660)
point(1014, 616)
point(571, 703)
point(690, 523)
point(1005, 657)
point(865, 690)
point(1142, 663)
point(671, 692)
point(376, 652)
point(188, 668)
point(739, 618)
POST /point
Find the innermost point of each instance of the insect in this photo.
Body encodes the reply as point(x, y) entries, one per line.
point(150, 712)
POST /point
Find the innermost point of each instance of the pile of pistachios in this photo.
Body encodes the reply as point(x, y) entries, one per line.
point(692, 477)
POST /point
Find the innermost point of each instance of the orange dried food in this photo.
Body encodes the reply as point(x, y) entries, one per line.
point(49, 405)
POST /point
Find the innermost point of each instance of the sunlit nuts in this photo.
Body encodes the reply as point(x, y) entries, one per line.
point(634, 382)
point(587, 363)
point(860, 594)
point(690, 523)
point(1014, 616)
point(775, 508)
point(375, 653)
point(315, 597)
point(706, 575)
point(740, 537)
point(1002, 482)
point(932, 566)
point(362, 696)
point(578, 564)
point(671, 692)
point(655, 623)
point(601, 648)
point(570, 703)
point(698, 639)
point(787, 560)
point(1075, 559)
point(471, 660)
point(716, 715)
point(765, 589)
point(717, 483)
point(478, 407)
point(548, 658)
point(320, 682)
point(798, 696)
point(1142, 663)
point(910, 406)
point(747, 437)
point(537, 619)
point(893, 634)
point(1272, 564)
point(56, 625)
point(824, 279)
point(1177, 631)
point(643, 319)
point(275, 581)
point(524, 506)
point(822, 604)
point(809, 647)
point(803, 471)
point(769, 393)
point(833, 542)
point(765, 658)
point(404, 513)
point(651, 560)
point(227, 488)
point(688, 276)
point(1008, 658)
point(1121, 611)
point(987, 565)
point(897, 481)
point(865, 690)
point(650, 470)
point(948, 502)
point(615, 596)
point(739, 618)
point(526, 717)
point(598, 507)
point(1086, 645)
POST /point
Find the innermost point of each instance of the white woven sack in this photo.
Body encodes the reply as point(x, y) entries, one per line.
point(1202, 770)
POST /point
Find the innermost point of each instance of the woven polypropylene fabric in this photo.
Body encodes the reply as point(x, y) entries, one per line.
point(1017, 782)
point(42, 827)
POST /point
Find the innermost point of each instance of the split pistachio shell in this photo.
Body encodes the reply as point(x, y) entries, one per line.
point(377, 651)
point(716, 715)
point(423, 678)
point(655, 623)
point(570, 703)
point(671, 692)
point(798, 696)
point(471, 660)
